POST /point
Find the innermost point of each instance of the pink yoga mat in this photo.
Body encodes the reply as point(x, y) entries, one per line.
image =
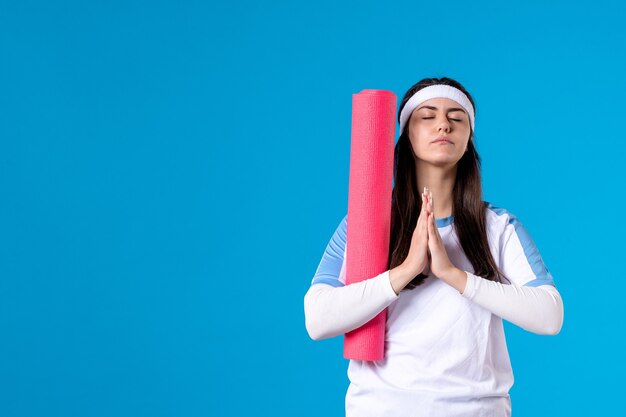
point(369, 208)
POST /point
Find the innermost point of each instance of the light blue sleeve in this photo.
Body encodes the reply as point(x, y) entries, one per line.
point(329, 270)
point(519, 257)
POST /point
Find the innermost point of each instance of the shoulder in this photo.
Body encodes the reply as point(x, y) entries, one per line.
point(497, 212)
point(498, 218)
point(501, 224)
point(519, 256)
point(338, 242)
point(331, 267)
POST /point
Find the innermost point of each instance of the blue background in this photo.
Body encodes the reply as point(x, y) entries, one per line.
point(171, 173)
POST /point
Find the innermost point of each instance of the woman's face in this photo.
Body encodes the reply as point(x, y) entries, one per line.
point(434, 119)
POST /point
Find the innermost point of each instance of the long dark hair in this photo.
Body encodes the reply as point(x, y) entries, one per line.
point(468, 207)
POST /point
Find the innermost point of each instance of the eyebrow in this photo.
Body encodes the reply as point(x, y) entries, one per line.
point(435, 108)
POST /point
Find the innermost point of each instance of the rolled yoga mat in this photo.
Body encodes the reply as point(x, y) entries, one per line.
point(369, 209)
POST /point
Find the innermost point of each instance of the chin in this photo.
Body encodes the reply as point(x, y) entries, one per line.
point(442, 161)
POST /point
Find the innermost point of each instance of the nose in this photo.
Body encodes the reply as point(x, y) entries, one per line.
point(444, 125)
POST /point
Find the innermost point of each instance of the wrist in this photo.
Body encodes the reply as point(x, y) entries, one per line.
point(399, 277)
point(456, 278)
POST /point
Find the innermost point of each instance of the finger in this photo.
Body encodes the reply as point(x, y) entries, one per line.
point(420, 217)
point(430, 224)
point(436, 231)
point(426, 207)
point(433, 226)
point(432, 239)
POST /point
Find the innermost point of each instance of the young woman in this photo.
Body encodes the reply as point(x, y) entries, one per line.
point(457, 266)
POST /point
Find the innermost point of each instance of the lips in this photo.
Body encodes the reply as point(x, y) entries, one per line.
point(442, 139)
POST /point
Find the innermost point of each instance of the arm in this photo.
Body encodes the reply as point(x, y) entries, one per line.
point(531, 301)
point(331, 311)
point(332, 308)
point(535, 309)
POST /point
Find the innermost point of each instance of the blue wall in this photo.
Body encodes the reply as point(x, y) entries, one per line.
point(171, 173)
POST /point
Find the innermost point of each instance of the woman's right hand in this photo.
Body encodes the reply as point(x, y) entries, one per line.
point(417, 259)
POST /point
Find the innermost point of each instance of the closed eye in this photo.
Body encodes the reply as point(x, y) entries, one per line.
point(456, 120)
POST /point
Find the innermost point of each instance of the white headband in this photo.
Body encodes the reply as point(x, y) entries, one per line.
point(436, 91)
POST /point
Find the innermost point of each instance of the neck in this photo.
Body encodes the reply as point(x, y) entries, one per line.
point(440, 182)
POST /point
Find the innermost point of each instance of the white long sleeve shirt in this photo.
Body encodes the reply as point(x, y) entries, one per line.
point(333, 311)
point(442, 348)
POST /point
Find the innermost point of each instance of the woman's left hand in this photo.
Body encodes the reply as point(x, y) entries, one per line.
point(440, 264)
